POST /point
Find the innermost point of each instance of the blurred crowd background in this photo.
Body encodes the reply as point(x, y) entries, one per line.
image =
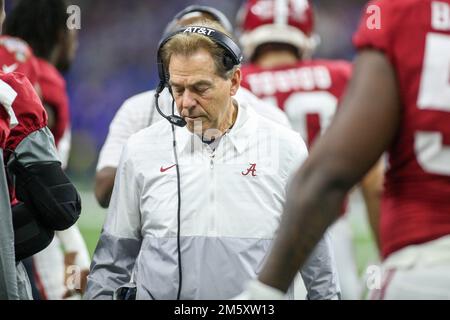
point(117, 54)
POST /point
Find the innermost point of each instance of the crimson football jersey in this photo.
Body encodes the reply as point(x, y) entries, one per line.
point(27, 108)
point(4, 127)
point(7, 96)
point(307, 92)
point(415, 37)
point(17, 56)
point(54, 95)
point(28, 111)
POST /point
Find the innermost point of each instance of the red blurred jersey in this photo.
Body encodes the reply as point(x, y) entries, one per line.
point(17, 56)
point(27, 108)
point(54, 95)
point(415, 37)
point(4, 127)
point(308, 92)
point(7, 116)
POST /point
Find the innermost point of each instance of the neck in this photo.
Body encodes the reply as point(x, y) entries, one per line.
point(276, 59)
point(227, 123)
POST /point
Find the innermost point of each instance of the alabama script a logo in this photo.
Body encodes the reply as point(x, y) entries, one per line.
point(251, 170)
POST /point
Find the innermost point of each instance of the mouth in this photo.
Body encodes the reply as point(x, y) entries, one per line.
point(192, 119)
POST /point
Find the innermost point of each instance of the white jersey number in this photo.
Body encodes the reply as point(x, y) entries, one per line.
point(7, 97)
point(434, 94)
point(310, 113)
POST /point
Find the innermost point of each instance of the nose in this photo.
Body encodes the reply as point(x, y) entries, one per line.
point(188, 100)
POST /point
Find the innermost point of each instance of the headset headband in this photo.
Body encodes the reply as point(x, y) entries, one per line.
point(232, 50)
point(216, 14)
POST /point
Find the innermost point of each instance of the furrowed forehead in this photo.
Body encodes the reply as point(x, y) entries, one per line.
point(193, 83)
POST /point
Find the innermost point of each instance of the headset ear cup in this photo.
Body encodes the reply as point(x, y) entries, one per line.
point(228, 62)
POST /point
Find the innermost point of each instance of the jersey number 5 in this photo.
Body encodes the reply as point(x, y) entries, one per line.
point(432, 154)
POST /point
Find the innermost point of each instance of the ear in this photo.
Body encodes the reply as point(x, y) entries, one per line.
point(236, 81)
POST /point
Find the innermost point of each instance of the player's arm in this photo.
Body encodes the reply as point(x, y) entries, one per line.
point(337, 162)
point(119, 132)
point(319, 273)
point(75, 254)
point(104, 184)
point(371, 189)
point(128, 120)
point(50, 115)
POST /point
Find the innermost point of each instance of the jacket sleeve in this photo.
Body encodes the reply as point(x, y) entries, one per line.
point(319, 273)
point(29, 112)
point(33, 162)
point(4, 127)
point(41, 183)
point(8, 281)
point(8, 118)
point(120, 240)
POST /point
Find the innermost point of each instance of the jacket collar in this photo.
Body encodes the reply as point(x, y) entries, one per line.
point(239, 135)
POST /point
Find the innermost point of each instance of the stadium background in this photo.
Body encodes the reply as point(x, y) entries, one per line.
point(116, 59)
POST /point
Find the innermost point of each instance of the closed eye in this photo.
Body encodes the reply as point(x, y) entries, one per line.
point(201, 89)
point(178, 91)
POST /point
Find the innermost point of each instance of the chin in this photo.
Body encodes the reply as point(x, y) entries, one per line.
point(197, 126)
point(190, 127)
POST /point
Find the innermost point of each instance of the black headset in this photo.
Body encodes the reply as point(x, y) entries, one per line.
point(232, 57)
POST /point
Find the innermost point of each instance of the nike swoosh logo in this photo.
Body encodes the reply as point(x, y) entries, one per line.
point(167, 169)
point(11, 68)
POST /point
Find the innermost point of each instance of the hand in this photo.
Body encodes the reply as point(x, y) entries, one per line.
point(80, 280)
point(82, 289)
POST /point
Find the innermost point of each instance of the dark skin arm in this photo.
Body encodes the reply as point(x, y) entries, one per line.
point(364, 127)
point(104, 183)
point(51, 115)
point(371, 189)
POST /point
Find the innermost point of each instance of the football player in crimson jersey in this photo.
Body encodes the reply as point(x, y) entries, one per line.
point(55, 46)
point(17, 56)
point(55, 99)
point(37, 178)
point(399, 97)
point(278, 40)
